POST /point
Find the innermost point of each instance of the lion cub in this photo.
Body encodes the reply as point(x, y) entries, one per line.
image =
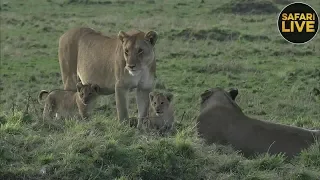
point(161, 111)
point(65, 103)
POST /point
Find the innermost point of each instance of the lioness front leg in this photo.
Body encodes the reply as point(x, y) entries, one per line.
point(143, 101)
point(121, 103)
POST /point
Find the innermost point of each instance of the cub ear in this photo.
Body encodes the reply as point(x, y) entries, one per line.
point(122, 35)
point(205, 95)
point(79, 86)
point(95, 87)
point(151, 96)
point(233, 93)
point(152, 36)
point(169, 96)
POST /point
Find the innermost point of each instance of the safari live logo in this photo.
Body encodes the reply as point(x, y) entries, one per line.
point(298, 23)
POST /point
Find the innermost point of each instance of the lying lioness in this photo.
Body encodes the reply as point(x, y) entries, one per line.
point(65, 103)
point(222, 121)
point(161, 112)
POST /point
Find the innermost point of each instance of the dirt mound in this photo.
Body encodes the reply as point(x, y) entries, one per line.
point(282, 2)
point(101, 2)
point(88, 2)
point(4, 6)
point(183, 54)
point(248, 7)
point(224, 68)
point(213, 34)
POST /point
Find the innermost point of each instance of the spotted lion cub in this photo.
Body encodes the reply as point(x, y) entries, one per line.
point(66, 104)
point(161, 112)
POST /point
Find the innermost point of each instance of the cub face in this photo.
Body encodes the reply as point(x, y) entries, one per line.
point(87, 92)
point(160, 102)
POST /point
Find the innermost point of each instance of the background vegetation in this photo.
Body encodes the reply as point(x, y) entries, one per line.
point(202, 44)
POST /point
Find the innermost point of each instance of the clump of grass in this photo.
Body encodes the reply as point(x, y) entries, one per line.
point(13, 124)
point(311, 156)
point(269, 162)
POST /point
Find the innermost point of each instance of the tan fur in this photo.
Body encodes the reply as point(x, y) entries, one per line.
point(161, 112)
point(116, 64)
point(67, 103)
point(221, 120)
point(40, 97)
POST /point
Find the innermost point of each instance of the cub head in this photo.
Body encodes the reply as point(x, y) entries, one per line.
point(87, 91)
point(138, 50)
point(219, 96)
point(160, 102)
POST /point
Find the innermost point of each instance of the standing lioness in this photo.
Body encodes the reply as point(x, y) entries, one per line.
point(221, 120)
point(116, 64)
point(67, 103)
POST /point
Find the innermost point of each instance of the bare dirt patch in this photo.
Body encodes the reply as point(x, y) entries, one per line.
point(183, 54)
point(214, 34)
point(213, 68)
point(248, 7)
point(99, 2)
point(282, 2)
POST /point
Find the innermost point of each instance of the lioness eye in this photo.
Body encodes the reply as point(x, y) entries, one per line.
point(126, 51)
point(140, 51)
point(161, 102)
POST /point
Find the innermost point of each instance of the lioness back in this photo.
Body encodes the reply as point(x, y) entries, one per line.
point(221, 120)
point(92, 47)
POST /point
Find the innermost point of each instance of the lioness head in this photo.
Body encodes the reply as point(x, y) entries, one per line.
point(87, 91)
point(218, 96)
point(138, 50)
point(160, 102)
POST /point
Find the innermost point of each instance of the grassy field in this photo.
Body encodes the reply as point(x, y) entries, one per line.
point(201, 45)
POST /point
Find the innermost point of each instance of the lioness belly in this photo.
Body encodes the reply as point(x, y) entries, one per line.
point(96, 62)
point(97, 73)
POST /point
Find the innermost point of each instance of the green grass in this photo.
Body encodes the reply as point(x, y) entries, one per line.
point(201, 45)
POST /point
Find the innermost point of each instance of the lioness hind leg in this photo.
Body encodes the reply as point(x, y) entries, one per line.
point(68, 64)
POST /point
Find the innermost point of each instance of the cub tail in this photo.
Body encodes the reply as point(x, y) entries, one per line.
point(40, 97)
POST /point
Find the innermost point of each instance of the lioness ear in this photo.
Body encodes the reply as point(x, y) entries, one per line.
point(151, 36)
point(122, 35)
point(169, 96)
point(79, 86)
point(206, 95)
point(95, 87)
point(233, 93)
